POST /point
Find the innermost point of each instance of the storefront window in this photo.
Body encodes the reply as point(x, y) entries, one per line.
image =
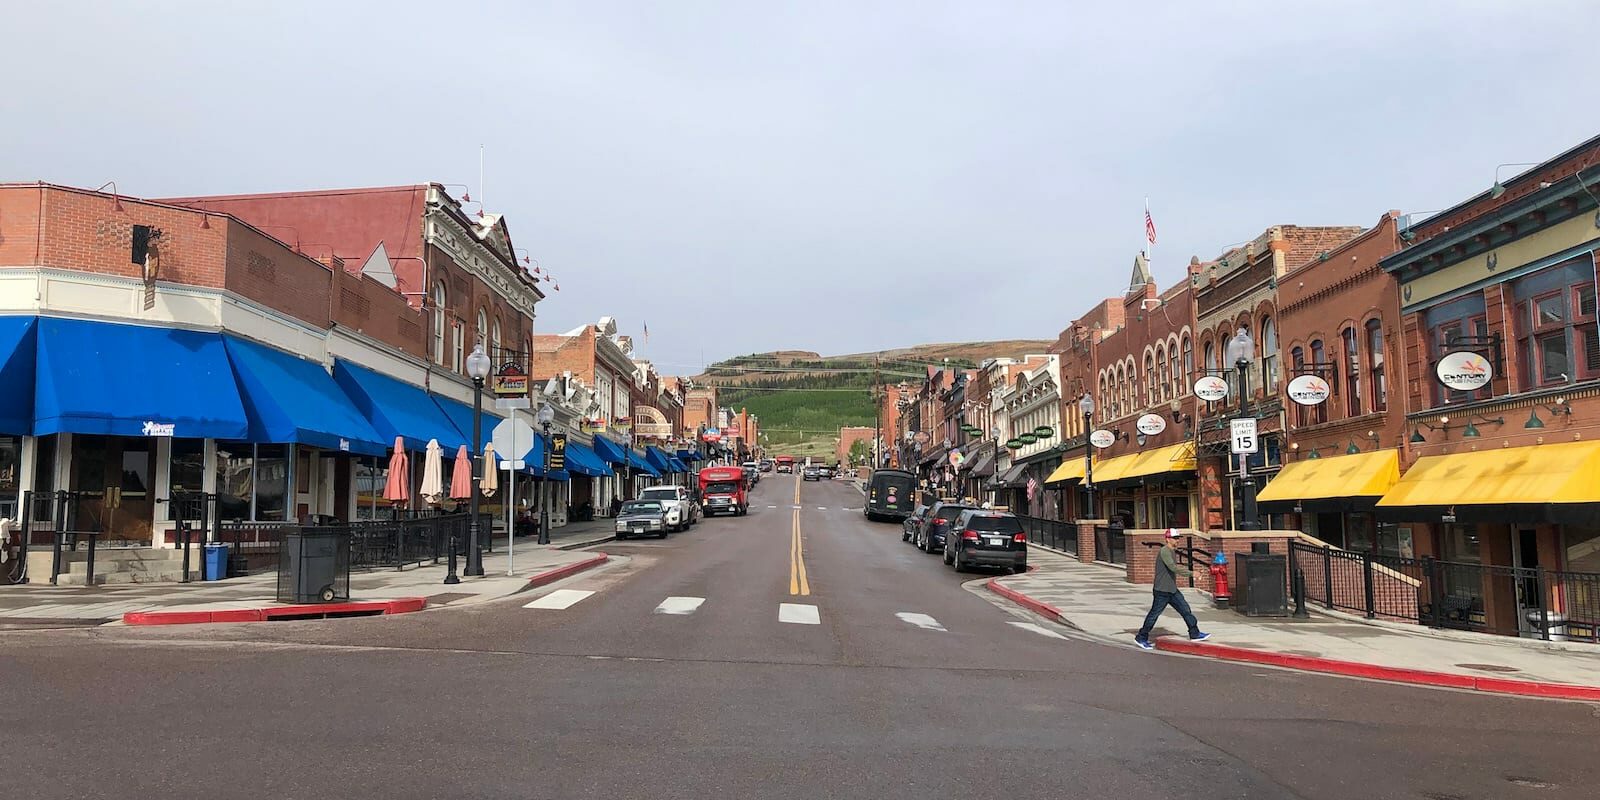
point(1447, 323)
point(1556, 335)
point(10, 475)
point(272, 480)
point(186, 469)
point(44, 476)
point(1582, 549)
point(372, 474)
point(235, 480)
point(1460, 543)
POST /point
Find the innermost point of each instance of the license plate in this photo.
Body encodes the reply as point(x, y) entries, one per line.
point(992, 542)
point(639, 526)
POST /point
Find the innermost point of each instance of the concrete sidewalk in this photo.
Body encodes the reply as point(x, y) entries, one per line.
point(1099, 602)
point(40, 604)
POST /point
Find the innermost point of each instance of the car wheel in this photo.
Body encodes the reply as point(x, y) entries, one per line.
point(927, 545)
point(1019, 569)
point(905, 536)
point(621, 536)
point(956, 562)
point(662, 534)
point(947, 559)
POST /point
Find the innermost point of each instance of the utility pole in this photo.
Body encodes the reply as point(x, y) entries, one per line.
point(877, 414)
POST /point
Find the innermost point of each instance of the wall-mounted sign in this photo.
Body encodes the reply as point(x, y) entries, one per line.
point(344, 445)
point(1464, 371)
point(1044, 432)
point(1014, 444)
point(1102, 438)
point(1308, 390)
point(1151, 424)
point(595, 425)
point(921, 437)
point(1027, 438)
point(511, 380)
point(558, 451)
point(159, 428)
point(712, 435)
point(1210, 388)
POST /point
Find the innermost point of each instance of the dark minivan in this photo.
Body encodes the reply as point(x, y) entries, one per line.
point(981, 538)
point(891, 495)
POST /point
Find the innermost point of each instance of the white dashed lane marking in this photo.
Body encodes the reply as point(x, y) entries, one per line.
point(922, 621)
point(679, 605)
point(799, 614)
point(560, 599)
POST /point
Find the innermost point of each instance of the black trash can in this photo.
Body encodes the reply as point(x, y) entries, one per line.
point(314, 567)
point(1261, 585)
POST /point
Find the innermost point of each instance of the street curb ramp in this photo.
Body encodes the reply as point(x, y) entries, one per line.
point(369, 608)
point(567, 570)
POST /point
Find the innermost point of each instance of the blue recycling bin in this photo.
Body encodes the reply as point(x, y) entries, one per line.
point(216, 561)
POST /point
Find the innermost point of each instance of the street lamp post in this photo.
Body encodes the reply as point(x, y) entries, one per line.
point(1086, 408)
point(1241, 352)
point(478, 366)
point(547, 415)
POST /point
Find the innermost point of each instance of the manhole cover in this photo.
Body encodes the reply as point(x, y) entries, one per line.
point(1488, 667)
point(446, 597)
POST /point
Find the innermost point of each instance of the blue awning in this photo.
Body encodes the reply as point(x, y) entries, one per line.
point(583, 460)
point(290, 399)
point(460, 416)
point(132, 380)
point(677, 465)
point(657, 459)
point(609, 451)
point(396, 408)
point(17, 356)
point(638, 462)
point(688, 455)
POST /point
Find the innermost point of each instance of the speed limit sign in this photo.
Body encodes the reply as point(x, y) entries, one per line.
point(1244, 435)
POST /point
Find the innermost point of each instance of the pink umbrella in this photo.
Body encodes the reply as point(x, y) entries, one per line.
point(461, 475)
point(398, 489)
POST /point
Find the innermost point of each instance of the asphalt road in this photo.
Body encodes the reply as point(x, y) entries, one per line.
point(607, 698)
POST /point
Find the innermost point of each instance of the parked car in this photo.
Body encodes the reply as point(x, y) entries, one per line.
point(909, 525)
point(766, 465)
point(930, 537)
point(812, 474)
point(752, 474)
point(642, 518)
point(826, 471)
point(682, 510)
point(986, 538)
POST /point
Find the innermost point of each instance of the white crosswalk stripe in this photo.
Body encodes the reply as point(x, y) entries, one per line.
point(681, 606)
point(799, 614)
point(922, 621)
point(560, 599)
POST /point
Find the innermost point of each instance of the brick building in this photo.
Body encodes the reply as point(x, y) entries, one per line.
point(848, 436)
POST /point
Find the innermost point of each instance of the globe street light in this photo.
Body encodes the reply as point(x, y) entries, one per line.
point(478, 367)
point(1086, 408)
point(1241, 352)
point(546, 416)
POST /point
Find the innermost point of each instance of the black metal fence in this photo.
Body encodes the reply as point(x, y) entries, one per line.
point(1110, 545)
point(1051, 533)
point(1513, 601)
point(411, 540)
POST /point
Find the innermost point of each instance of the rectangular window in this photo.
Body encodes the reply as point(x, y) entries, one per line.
point(44, 476)
point(235, 480)
point(457, 343)
point(1555, 325)
point(1378, 385)
point(272, 481)
point(1319, 413)
point(186, 470)
point(1352, 371)
point(10, 475)
point(1447, 324)
point(372, 474)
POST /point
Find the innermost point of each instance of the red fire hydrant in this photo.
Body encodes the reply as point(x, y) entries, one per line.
point(1219, 581)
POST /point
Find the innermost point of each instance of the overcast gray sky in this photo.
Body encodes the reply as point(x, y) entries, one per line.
point(832, 176)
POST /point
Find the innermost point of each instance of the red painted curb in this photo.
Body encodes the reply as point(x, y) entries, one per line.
point(1356, 669)
point(404, 605)
point(1023, 600)
point(567, 570)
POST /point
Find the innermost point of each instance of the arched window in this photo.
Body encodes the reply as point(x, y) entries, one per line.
point(1297, 362)
point(438, 322)
point(1210, 358)
point(480, 332)
point(1319, 356)
point(1174, 378)
point(1269, 356)
point(1352, 372)
point(1149, 379)
point(1164, 379)
point(1105, 399)
point(1188, 364)
point(494, 340)
point(1379, 385)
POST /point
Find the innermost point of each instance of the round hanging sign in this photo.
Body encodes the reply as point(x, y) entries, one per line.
point(1044, 431)
point(1014, 444)
point(1308, 390)
point(1151, 424)
point(1464, 371)
point(1027, 438)
point(1102, 438)
point(1210, 388)
point(920, 437)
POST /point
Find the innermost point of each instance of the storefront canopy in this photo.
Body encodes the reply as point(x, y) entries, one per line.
point(1012, 479)
point(396, 408)
point(460, 415)
point(1558, 483)
point(1149, 463)
point(677, 464)
point(638, 462)
point(688, 455)
point(17, 357)
point(1070, 470)
point(980, 465)
point(661, 461)
point(609, 451)
point(582, 460)
point(132, 380)
point(289, 399)
point(1341, 483)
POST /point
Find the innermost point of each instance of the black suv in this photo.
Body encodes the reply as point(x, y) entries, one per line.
point(930, 537)
point(982, 538)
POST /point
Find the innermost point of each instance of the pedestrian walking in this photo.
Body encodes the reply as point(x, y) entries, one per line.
point(1165, 592)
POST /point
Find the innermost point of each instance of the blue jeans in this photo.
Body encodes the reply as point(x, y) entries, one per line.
point(1159, 604)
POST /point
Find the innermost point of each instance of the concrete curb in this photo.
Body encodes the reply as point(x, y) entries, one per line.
point(404, 605)
point(1561, 691)
point(586, 543)
point(567, 570)
point(1036, 606)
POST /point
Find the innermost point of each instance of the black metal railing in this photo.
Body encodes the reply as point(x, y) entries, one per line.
point(1513, 601)
point(1110, 545)
point(1051, 533)
point(401, 542)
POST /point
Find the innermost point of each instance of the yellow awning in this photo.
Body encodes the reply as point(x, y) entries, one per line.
point(1355, 476)
point(1538, 475)
point(1070, 470)
point(1172, 458)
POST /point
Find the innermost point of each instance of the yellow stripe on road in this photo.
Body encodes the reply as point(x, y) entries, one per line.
point(799, 584)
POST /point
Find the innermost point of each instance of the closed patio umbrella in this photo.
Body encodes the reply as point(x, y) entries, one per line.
point(398, 488)
point(461, 475)
point(433, 473)
point(491, 472)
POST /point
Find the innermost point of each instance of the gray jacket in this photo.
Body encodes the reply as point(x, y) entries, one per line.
point(1167, 570)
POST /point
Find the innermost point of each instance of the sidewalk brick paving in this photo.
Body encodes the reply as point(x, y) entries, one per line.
point(1096, 600)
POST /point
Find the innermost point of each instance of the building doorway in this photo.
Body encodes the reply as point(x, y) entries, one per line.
point(1525, 557)
point(113, 480)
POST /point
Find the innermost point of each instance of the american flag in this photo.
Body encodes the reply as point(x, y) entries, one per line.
point(1033, 486)
point(1149, 227)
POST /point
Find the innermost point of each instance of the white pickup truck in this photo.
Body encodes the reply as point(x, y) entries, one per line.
point(682, 510)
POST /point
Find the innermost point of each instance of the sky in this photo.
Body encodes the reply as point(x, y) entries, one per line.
point(840, 177)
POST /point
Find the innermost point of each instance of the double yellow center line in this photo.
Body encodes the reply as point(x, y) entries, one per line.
point(799, 584)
